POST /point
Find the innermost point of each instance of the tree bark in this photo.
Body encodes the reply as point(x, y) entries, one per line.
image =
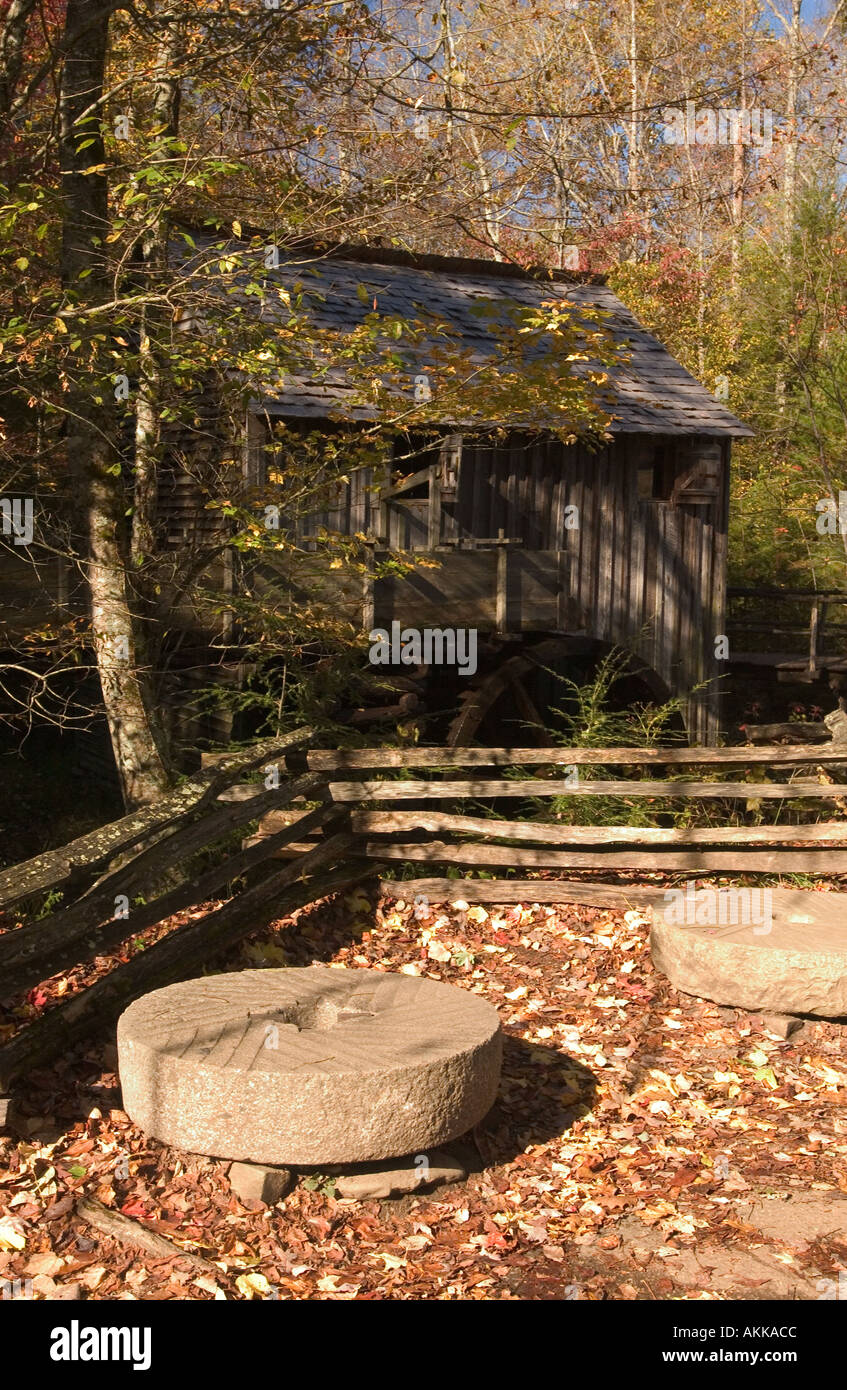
point(12, 40)
point(149, 397)
point(633, 157)
point(789, 186)
point(154, 258)
point(139, 761)
point(789, 178)
point(739, 175)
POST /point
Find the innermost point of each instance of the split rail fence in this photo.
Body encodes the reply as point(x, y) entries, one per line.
point(337, 817)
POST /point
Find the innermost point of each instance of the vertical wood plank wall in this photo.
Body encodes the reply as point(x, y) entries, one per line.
point(644, 573)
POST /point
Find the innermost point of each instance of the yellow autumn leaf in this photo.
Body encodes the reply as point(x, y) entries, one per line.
point(10, 1237)
point(253, 1285)
point(664, 1080)
point(766, 1074)
point(268, 952)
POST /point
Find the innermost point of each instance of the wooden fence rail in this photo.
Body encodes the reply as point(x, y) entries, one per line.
point(535, 832)
point(335, 833)
point(355, 759)
point(491, 789)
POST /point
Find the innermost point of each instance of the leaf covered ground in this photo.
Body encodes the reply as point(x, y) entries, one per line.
point(645, 1145)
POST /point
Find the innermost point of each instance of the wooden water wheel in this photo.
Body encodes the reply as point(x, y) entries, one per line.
point(512, 682)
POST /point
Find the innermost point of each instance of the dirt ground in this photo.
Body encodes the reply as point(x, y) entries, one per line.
point(645, 1145)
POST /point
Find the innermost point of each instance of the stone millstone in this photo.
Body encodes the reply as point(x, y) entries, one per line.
point(308, 1067)
point(798, 967)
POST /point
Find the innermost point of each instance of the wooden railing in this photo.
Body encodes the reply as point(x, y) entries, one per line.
point(757, 621)
point(335, 824)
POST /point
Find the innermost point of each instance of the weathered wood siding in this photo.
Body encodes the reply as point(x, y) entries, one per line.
point(516, 591)
point(647, 573)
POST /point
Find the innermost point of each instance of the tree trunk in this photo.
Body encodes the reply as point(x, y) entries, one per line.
point(739, 176)
point(149, 399)
point(12, 41)
point(633, 156)
point(154, 260)
point(789, 179)
point(789, 186)
point(91, 443)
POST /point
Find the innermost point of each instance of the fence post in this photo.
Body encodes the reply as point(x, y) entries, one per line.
point(816, 622)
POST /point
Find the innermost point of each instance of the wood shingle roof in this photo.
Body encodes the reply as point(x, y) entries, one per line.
point(649, 393)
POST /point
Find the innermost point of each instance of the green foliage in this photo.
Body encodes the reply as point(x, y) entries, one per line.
point(589, 719)
point(320, 1182)
point(794, 361)
point(52, 899)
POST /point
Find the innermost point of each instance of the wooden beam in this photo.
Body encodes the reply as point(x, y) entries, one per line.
point(415, 790)
point(438, 822)
point(354, 759)
point(516, 890)
point(501, 597)
point(413, 480)
point(368, 592)
point(435, 518)
point(563, 595)
point(836, 595)
point(450, 461)
point(766, 733)
point(524, 704)
point(241, 791)
point(788, 662)
point(656, 860)
point(816, 622)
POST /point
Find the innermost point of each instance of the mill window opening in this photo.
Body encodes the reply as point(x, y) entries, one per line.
point(657, 475)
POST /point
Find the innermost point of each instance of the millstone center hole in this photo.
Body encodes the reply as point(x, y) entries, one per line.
point(319, 1015)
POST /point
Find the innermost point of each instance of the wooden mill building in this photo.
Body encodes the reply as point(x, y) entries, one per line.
point(492, 514)
point(644, 566)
